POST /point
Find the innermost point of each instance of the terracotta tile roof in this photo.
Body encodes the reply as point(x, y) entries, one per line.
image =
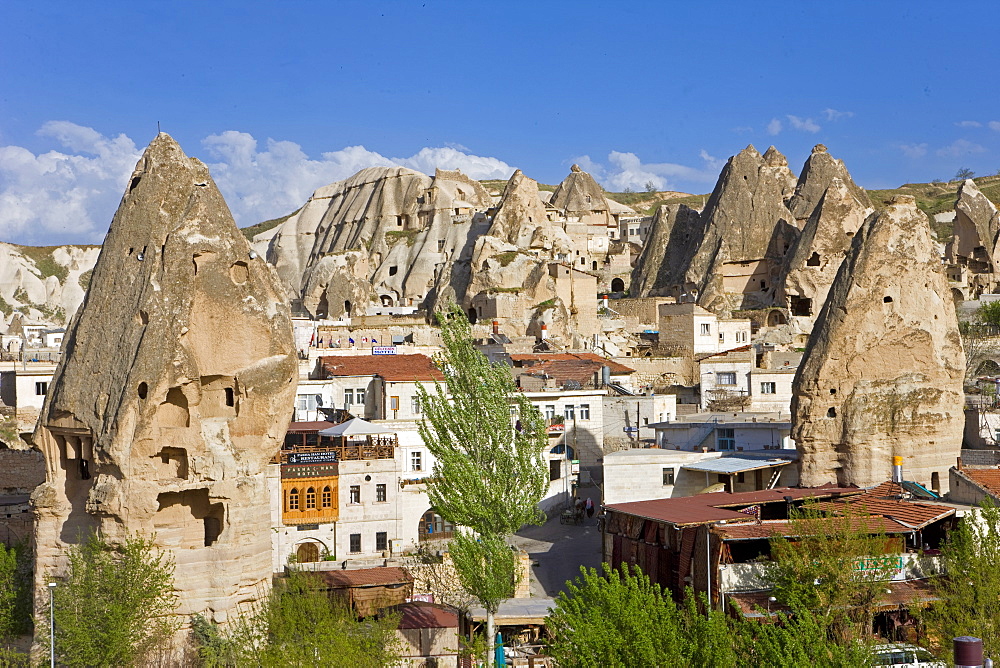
point(424, 615)
point(784, 528)
point(533, 360)
point(743, 352)
point(393, 368)
point(988, 479)
point(706, 508)
point(885, 500)
point(366, 577)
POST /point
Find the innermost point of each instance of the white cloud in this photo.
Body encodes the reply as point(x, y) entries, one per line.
point(774, 127)
point(913, 150)
point(626, 170)
point(804, 124)
point(969, 124)
point(70, 195)
point(63, 196)
point(994, 125)
point(834, 115)
point(958, 148)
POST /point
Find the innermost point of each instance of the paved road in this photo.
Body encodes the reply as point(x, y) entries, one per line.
point(558, 550)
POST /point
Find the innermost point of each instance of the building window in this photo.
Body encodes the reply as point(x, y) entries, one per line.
point(668, 475)
point(768, 388)
point(722, 337)
point(550, 412)
point(355, 493)
point(415, 405)
point(327, 499)
point(355, 543)
point(348, 397)
point(394, 403)
point(433, 525)
point(725, 378)
point(727, 439)
point(293, 499)
point(306, 402)
point(380, 492)
point(381, 541)
point(359, 396)
point(584, 411)
point(310, 498)
point(706, 329)
point(41, 388)
point(416, 460)
point(570, 412)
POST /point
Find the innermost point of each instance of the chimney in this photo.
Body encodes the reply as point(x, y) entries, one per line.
point(968, 652)
point(545, 332)
point(496, 327)
point(604, 300)
point(897, 469)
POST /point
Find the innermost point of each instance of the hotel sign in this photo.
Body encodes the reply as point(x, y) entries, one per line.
point(383, 350)
point(312, 457)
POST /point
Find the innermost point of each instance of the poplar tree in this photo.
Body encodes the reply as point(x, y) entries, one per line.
point(489, 475)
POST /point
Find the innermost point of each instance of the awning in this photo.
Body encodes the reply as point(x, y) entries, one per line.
point(356, 427)
point(731, 465)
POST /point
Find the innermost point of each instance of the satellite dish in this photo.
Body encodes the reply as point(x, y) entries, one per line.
point(319, 399)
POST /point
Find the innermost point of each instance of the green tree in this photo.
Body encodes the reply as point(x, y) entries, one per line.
point(989, 313)
point(115, 607)
point(299, 624)
point(489, 474)
point(969, 587)
point(650, 187)
point(964, 173)
point(835, 570)
point(15, 591)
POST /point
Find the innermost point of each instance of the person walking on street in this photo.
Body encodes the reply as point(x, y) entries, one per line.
point(589, 506)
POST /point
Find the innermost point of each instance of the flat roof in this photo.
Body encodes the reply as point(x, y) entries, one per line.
point(518, 611)
point(730, 465)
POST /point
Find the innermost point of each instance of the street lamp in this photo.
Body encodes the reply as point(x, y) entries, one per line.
point(770, 600)
point(52, 626)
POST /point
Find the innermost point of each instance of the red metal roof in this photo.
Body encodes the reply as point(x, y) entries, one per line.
point(424, 615)
point(592, 359)
point(786, 529)
point(393, 368)
point(706, 508)
point(366, 577)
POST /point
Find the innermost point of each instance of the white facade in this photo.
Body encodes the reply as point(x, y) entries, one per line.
point(733, 333)
point(622, 414)
point(641, 474)
point(726, 432)
point(771, 390)
point(727, 373)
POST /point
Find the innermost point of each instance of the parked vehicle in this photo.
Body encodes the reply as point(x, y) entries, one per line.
point(905, 656)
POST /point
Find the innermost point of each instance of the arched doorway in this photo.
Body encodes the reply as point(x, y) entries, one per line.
point(776, 319)
point(347, 307)
point(322, 308)
point(617, 285)
point(386, 300)
point(988, 368)
point(307, 552)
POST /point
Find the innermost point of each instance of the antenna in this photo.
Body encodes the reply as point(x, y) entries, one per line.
point(157, 127)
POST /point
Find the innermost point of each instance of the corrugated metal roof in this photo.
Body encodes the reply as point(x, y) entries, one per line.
point(707, 508)
point(729, 465)
point(366, 577)
point(786, 529)
point(424, 615)
point(886, 500)
point(902, 594)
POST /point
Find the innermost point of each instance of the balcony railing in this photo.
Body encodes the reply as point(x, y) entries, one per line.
point(372, 447)
point(753, 576)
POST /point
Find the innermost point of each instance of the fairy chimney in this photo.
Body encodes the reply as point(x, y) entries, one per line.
point(173, 393)
point(882, 374)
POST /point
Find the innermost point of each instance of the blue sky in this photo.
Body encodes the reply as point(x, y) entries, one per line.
point(282, 97)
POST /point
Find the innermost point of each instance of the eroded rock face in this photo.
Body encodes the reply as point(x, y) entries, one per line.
point(46, 284)
point(580, 196)
point(817, 175)
point(674, 234)
point(882, 374)
point(173, 393)
point(748, 231)
point(404, 233)
point(816, 257)
point(975, 246)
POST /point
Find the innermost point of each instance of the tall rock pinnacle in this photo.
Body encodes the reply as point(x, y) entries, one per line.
point(882, 374)
point(172, 396)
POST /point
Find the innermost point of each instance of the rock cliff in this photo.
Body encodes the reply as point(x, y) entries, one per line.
point(975, 246)
point(674, 234)
point(882, 374)
point(171, 396)
point(45, 284)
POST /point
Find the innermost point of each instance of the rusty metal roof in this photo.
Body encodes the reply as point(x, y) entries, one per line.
point(366, 577)
point(425, 615)
point(787, 529)
point(707, 508)
point(902, 594)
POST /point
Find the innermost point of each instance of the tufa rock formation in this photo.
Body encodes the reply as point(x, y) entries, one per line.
point(974, 250)
point(882, 374)
point(173, 392)
point(46, 284)
point(674, 235)
point(817, 175)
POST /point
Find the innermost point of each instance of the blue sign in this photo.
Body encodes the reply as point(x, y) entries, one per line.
point(383, 350)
